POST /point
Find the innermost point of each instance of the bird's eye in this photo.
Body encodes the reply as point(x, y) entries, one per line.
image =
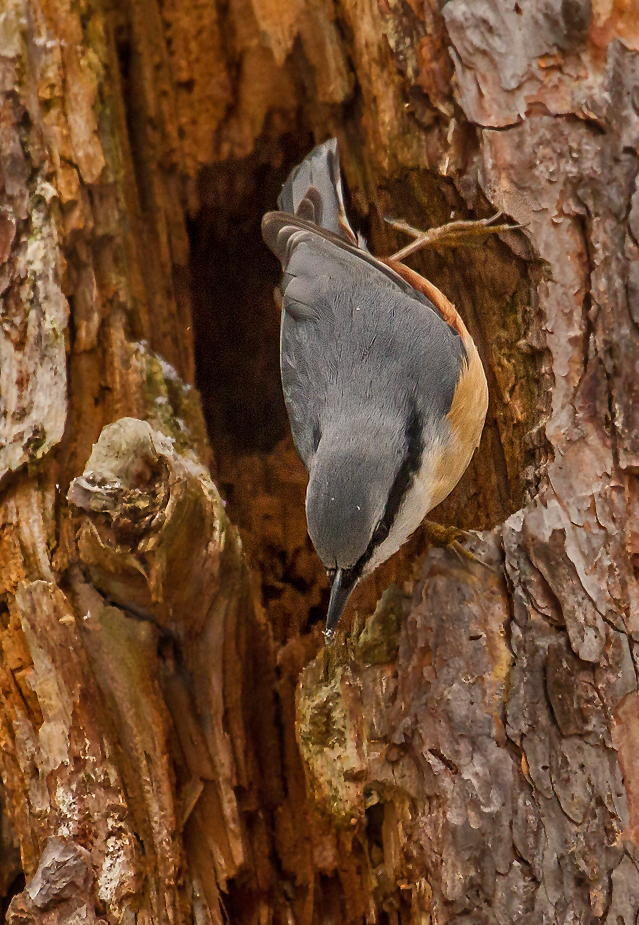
point(330, 574)
point(381, 532)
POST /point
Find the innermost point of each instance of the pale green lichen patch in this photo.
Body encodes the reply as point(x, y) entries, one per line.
point(327, 743)
point(172, 405)
point(378, 642)
point(334, 743)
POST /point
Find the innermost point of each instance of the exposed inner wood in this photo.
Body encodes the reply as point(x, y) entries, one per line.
point(174, 737)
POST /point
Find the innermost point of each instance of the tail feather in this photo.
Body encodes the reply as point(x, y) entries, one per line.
point(314, 192)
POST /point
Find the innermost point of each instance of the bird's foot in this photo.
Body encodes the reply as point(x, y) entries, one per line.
point(439, 535)
point(453, 234)
point(450, 538)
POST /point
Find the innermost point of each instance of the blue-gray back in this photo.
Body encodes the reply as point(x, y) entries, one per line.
point(356, 346)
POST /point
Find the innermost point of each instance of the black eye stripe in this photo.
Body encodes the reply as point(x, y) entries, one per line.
point(408, 468)
point(405, 474)
point(381, 532)
point(317, 436)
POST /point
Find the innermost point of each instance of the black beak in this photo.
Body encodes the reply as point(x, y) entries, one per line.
point(343, 584)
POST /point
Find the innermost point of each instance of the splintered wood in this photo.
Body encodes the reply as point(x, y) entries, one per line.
point(175, 744)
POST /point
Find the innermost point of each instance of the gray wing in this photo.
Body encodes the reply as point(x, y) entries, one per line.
point(283, 232)
point(354, 341)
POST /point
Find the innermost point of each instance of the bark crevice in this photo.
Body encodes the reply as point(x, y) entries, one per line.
point(467, 753)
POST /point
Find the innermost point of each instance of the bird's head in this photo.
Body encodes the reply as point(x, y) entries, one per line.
point(358, 482)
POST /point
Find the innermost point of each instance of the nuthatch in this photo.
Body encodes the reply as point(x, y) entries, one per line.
point(383, 384)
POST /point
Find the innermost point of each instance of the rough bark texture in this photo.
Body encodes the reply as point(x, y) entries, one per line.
point(175, 744)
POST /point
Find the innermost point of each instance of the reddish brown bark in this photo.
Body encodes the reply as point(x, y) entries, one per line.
point(176, 745)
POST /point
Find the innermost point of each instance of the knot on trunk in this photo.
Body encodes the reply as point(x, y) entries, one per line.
point(60, 891)
point(154, 529)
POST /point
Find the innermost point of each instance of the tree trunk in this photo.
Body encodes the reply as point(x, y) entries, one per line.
point(176, 744)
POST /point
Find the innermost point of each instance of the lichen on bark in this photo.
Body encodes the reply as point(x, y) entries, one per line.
point(177, 745)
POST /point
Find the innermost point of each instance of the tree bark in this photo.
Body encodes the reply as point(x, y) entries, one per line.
point(176, 744)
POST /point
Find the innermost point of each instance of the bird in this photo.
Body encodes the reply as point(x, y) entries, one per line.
point(384, 387)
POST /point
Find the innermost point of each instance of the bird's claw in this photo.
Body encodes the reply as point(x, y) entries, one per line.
point(449, 538)
point(454, 234)
point(439, 535)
